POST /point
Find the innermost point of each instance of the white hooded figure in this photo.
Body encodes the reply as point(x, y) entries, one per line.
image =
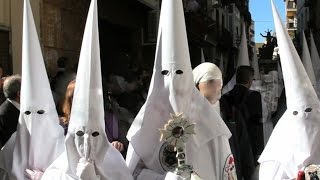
point(294, 143)
point(88, 154)
point(210, 76)
point(243, 60)
point(258, 85)
point(306, 60)
point(255, 64)
point(172, 91)
point(39, 138)
point(203, 59)
point(315, 62)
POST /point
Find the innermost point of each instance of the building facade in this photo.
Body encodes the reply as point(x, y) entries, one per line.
point(308, 16)
point(128, 31)
point(291, 17)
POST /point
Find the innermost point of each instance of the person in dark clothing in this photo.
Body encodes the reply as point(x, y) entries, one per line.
point(9, 110)
point(241, 108)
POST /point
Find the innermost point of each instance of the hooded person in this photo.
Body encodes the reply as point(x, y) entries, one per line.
point(306, 59)
point(39, 137)
point(255, 65)
point(315, 62)
point(203, 59)
point(172, 91)
point(208, 80)
point(88, 154)
point(293, 144)
point(243, 60)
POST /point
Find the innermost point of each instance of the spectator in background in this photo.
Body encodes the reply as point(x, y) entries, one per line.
point(65, 107)
point(117, 123)
point(10, 109)
point(60, 82)
point(243, 107)
point(2, 78)
point(192, 6)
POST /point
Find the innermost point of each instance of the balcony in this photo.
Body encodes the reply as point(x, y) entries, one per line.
point(199, 26)
point(291, 6)
point(291, 25)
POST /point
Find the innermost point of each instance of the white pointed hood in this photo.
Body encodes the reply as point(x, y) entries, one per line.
point(203, 59)
point(315, 62)
point(301, 92)
point(221, 66)
point(39, 138)
point(243, 60)
point(89, 154)
point(172, 90)
point(243, 57)
point(315, 56)
point(294, 141)
point(255, 65)
point(306, 59)
point(87, 113)
point(257, 82)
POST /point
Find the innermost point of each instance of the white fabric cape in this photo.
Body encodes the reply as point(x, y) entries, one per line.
point(174, 92)
point(39, 137)
point(294, 142)
point(88, 153)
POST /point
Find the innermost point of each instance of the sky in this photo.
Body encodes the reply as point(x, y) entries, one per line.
point(261, 13)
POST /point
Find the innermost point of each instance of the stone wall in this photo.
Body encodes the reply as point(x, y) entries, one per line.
point(62, 25)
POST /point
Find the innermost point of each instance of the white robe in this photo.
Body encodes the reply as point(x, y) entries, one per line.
point(114, 168)
point(272, 170)
point(218, 147)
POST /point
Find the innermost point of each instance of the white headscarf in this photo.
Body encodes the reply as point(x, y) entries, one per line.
point(88, 154)
point(205, 72)
point(39, 137)
point(295, 140)
point(172, 90)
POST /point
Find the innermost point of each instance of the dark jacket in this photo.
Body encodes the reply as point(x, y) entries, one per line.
point(9, 116)
point(252, 115)
point(243, 107)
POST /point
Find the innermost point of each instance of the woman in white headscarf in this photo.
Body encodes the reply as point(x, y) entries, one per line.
point(208, 80)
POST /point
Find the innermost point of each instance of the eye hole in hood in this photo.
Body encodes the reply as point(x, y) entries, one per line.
point(80, 133)
point(95, 134)
point(179, 71)
point(164, 72)
point(41, 111)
